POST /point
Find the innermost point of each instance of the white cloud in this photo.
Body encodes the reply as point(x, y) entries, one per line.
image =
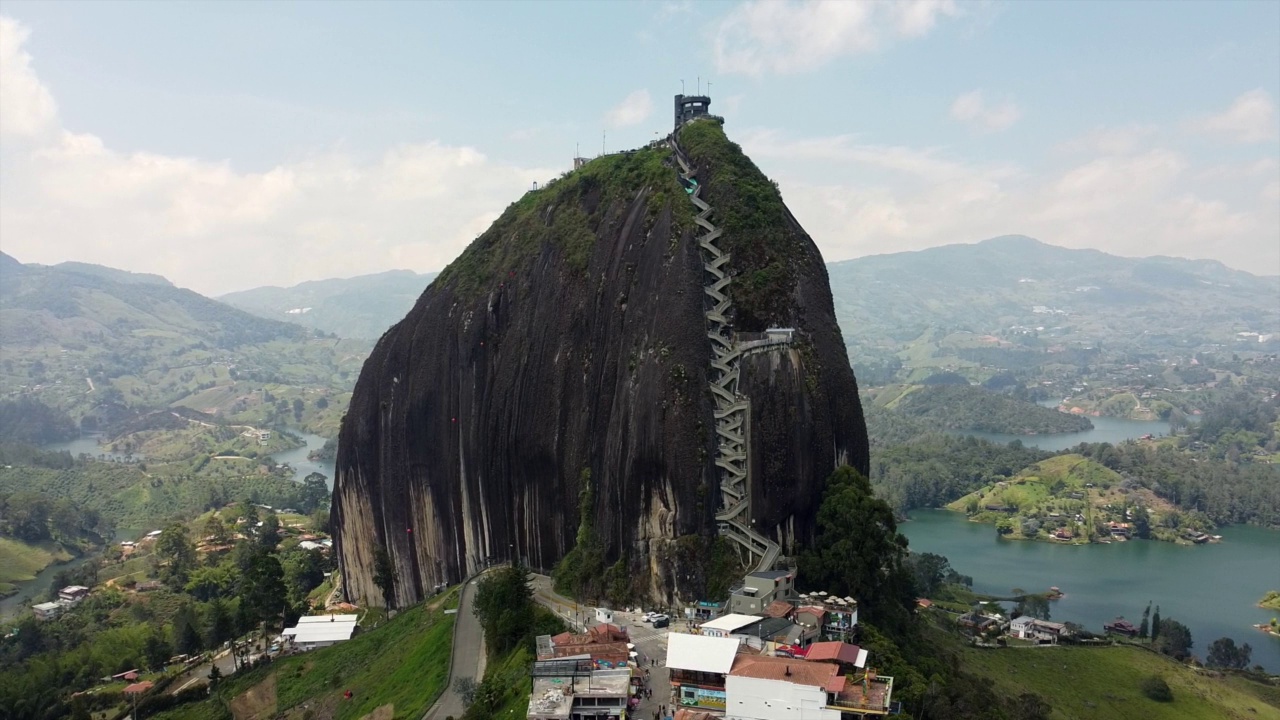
point(777, 36)
point(633, 110)
point(858, 199)
point(208, 226)
point(1106, 140)
point(972, 109)
point(26, 106)
point(1251, 118)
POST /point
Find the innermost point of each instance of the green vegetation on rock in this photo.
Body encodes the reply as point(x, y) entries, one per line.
point(1271, 600)
point(565, 215)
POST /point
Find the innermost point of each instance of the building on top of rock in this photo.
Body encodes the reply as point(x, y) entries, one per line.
point(689, 107)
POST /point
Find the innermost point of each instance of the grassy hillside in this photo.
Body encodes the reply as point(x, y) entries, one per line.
point(1104, 684)
point(1068, 492)
point(20, 561)
point(404, 662)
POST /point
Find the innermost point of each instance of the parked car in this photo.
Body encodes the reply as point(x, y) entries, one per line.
point(661, 621)
point(649, 616)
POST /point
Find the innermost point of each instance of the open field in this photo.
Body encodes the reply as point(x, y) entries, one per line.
point(20, 561)
point(1104, 684)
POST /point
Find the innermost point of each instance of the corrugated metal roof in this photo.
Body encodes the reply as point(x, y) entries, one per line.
point(700, 653)
point(730, 622)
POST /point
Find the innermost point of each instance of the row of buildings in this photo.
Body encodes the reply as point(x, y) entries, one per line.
point(765, 653)
point(579, 676)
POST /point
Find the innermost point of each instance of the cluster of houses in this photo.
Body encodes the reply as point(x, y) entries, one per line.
point(766, 653)
point(1023, 627)
point(828, 680)
point(68, 597)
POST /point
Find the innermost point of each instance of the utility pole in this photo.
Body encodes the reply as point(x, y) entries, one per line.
point(604, 141)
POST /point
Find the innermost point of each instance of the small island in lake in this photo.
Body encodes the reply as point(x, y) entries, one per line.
point(1074, 500)
point(1271, 600)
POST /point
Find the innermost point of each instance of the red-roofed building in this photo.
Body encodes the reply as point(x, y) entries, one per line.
point(139, 688)
point(603, 642)
point(779, 609)
point(843, 654)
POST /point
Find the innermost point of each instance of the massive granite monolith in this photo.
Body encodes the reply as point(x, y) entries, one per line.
point(563, 359)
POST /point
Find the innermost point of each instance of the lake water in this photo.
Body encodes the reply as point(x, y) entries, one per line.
point(297, 459)
point(1105, 429)
point(1212, 589)
point(88, 444)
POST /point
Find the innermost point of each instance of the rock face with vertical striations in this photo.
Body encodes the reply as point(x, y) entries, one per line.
point(563, 359)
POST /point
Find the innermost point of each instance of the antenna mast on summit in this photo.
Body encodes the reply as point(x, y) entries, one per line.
point(699, 84)
point(681, 86)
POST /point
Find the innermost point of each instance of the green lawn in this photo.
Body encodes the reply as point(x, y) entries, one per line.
point(1102, 684)
point(20, 561)
point(403, 662)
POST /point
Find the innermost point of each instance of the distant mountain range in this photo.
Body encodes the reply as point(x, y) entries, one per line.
point(105, 344)
point(885, 301)
point(79, 303)
point(358, 307)
point(1015, 284)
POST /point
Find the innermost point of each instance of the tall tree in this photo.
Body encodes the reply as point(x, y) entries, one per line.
point(504, 606)
point(858, 551)
point(384, 575)
point(262, 590)
point(174, 547)
point(269, 533)
point(1175, 639)
point(315, 492)
point(215, 531)
point(186, 633)
point(220, 624)
point(1144, 628)
point(1223, 653)
point(1155, 625)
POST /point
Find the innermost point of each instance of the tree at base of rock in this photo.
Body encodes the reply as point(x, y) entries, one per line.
point(384, 576)
point(858, 551)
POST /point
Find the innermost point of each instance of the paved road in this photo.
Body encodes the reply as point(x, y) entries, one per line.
point(651, 644)
point(468, 655)
point(199, 675)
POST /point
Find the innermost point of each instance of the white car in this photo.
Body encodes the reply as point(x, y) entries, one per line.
point(649, 616)
point(655, 617)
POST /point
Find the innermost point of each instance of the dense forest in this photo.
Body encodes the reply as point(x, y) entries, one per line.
point(971, 407)
point(26, 420)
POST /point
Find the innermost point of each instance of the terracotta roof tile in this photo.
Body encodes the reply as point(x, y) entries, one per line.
point(775, 668)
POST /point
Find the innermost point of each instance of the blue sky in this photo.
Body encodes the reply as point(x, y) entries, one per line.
point(333, 139)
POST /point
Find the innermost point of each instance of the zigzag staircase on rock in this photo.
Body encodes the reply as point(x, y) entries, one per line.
point(733, 410)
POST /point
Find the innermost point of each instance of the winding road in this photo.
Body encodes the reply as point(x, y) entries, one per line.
point(467, 660)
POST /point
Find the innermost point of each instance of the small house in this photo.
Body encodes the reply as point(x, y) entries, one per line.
point(73, 594)
point(47, 610)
